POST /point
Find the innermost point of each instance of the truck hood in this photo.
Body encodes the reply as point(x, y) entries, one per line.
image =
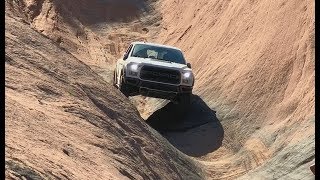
point(156, 62)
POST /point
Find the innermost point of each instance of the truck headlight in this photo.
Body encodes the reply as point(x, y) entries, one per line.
point(133, 69)
point(187, 77)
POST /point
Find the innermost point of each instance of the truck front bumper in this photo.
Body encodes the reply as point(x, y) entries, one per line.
point(155, 89)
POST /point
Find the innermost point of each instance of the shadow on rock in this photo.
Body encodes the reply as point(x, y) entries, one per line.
point(194, 129)
point(98, 11)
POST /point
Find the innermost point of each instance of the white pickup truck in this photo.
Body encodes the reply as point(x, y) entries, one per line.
point(154, 70)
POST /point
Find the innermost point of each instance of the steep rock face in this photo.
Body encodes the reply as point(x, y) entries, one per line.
point(64, 121)
point(254, 64)
point(96, 32)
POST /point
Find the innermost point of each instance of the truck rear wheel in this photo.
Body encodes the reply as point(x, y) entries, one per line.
point(114, 79)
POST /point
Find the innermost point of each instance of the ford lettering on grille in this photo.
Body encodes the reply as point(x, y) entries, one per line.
point(160, 75)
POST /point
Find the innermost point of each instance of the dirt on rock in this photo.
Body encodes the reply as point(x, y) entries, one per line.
point(252, 115)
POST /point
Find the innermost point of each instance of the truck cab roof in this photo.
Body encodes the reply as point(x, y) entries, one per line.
point(155, 44)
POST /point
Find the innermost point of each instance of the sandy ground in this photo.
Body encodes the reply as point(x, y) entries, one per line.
point(252, 115)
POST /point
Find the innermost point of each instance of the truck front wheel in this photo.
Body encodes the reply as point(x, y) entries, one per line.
point(184, 98)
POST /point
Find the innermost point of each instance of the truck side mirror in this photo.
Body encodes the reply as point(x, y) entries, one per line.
point(125, 56)
point(189, 65)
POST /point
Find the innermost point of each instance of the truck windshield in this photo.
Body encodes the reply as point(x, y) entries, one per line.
point(156, 52)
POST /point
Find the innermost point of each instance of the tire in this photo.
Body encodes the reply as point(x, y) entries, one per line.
point(122, 86)
point(184, 99)
point(114, 79)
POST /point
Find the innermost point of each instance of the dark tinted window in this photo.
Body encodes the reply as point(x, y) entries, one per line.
point(161, 53)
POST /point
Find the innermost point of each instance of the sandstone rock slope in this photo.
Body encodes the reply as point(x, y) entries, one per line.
point(252, 115)
point(64, 122)
point(254, 65)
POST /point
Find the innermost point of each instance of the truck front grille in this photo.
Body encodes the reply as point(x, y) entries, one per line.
point(158, 74)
